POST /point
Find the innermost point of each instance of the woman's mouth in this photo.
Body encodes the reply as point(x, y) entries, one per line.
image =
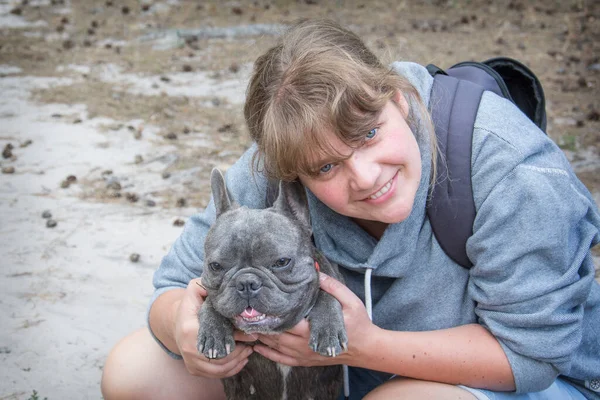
point(385, 189)
point(381, 191)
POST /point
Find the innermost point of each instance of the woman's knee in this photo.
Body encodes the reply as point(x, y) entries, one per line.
point(404, 388)
point(137, 368)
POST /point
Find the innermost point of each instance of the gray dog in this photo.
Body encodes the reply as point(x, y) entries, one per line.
point(261, 274)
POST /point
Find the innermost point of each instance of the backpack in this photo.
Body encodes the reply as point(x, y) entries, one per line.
point(457, 92)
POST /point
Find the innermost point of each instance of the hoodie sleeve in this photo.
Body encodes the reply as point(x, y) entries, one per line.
point(530, 248)
point(184, 260)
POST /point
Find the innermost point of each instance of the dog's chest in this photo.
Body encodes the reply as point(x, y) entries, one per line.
point(264, 379)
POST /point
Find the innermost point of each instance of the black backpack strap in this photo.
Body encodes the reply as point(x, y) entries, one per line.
point(451, 208)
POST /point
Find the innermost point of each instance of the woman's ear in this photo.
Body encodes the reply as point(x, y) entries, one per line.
point(402, 103)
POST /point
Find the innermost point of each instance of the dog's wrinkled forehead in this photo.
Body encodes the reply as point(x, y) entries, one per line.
point(244, 232)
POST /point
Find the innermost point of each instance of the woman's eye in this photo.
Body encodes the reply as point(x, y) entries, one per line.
point(282, 262)
point(215, 266)
point(372, 133)
point(325, 168)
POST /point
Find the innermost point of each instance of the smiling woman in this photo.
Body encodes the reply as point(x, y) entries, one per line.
point(357, 136)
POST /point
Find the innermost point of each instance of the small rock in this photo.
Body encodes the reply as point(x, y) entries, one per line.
point(26, 143)
point(582, 82)
point(145, 7)
point(68, 44)
point(180, 202)
point(187, 68)
point(125, 10)
point(138, 159)
point(7, 152)
point(178, 222)
point(46, 214)
point(107, 172)
point(114, 185)
point(216, 102)
point(171, 136)
point(237, 10)
point(16, 11)
point(8, 170)
point(65, 184)
point(50, 223)
point(186, 130)
point(64, 20)
point(131, 197)
point(165, 79)
point(225, 128)
point(71, 179)
point(150, 203)
point(593, 115)
point(166, 175)
point(234, 68)
point(134, 257)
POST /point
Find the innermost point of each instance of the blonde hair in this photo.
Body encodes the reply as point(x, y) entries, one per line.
point(319, 78)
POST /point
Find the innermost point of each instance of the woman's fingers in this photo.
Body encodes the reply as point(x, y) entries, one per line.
point(338, 290)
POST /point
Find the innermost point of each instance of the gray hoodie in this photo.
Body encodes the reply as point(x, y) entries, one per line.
point(532, 284)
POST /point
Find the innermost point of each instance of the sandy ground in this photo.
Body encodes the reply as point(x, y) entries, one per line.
point(111, 123)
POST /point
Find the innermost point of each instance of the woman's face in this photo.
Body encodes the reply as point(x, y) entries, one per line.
point(379, 180)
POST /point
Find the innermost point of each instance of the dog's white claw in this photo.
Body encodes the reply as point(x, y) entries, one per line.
point(200, 348)
point(228, 348)
point(345, 346)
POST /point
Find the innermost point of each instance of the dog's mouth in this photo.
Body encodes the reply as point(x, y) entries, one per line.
point(251, 320)
point(252, 315)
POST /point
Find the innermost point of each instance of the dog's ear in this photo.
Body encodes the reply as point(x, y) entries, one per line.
point(291, 200)
point(219, 192)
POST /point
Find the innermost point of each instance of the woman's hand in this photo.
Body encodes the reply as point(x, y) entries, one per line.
point(186, 334)
point(292, 348)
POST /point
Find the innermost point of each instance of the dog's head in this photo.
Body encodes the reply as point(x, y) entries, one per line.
point(259, 268)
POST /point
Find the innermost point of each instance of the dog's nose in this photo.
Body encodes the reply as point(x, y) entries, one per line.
point(248, 285)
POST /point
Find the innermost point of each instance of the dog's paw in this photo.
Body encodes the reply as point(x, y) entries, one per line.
point(329, 340)
point(214, 345)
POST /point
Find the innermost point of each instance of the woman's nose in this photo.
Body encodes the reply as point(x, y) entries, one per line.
point(363, 172)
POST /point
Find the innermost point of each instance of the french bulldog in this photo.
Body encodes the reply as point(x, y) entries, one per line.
point(261, 275)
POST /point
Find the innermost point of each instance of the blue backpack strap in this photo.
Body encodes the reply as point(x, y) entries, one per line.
point(451, 208)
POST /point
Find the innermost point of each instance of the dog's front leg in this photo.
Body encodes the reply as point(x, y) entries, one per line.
point(215, 336)
point(327, 330)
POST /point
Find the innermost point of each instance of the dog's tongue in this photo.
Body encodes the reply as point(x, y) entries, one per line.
point(250, 313)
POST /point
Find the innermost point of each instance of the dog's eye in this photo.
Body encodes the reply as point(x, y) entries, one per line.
point(282, 262)
point(215, 266)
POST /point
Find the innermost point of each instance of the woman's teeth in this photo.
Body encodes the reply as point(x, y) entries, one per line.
point(381, 191)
